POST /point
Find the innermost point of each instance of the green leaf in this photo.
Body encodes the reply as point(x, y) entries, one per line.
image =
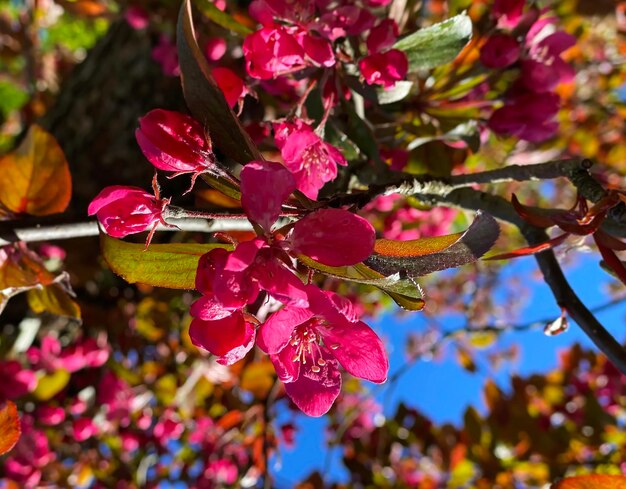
point(222, 18)
point(419, 257)
point(394, 94)
point(171, 266)
point(405, 292)
point(438, 44)
point(205, 99)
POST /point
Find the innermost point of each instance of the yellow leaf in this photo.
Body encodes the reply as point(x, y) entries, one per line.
point(35, 177)
point(258, 378)
point(51, 384)
point(592, 481)
point(9, 427)
point(53, 299)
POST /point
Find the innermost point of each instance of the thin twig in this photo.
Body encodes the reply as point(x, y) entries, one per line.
point(90, 228)
point(406, 184)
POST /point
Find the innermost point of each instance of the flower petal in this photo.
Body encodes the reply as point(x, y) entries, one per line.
point(115, 193)
point(236, 354)
point(265, 185)
point(275, 332)
point(334, 237)
point(281, 283)
point(243, 255)
point(286, 369)
point(359, 350)
point(221, 336)
point(209, 308)
point(315, 396)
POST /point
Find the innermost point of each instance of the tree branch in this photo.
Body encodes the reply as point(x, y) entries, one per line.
point(468, 198)
point(90, 228)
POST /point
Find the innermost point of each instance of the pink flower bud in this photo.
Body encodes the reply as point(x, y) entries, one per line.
point(137, 17)
point(126, 210)
point(215, 48)
point(384, 68)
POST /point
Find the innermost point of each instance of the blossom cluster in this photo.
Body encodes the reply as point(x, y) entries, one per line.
point(315, 331)
point(531, 41)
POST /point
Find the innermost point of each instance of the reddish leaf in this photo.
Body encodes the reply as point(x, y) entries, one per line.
point(414, 259)
point(612, 261)
point(530, 250)
point(205, 99)
point(567, 222)
point(9, 427)
point(530, 215)
point(609, 241)
point(35, 177)
point(592, 481)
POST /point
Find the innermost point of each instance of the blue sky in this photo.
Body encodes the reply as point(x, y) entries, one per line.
point(441, 389)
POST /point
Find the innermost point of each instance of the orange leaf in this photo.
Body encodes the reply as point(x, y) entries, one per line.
point(593, 481)
point(9, 427)
point(35, 177)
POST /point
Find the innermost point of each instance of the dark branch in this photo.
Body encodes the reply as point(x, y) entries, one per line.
point(565, 296)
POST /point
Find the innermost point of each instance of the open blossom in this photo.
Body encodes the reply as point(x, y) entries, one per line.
point(307, 345)
point(543, 68)
point(51, 357)
point(231, 280)
point(312, 161)
point(272, 51)
point(127, 210)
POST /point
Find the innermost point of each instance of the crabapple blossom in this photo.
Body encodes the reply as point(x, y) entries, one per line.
point(127, 210)
point(176, 142)
point(230, 280)
point(312, 161)
point(306, 345)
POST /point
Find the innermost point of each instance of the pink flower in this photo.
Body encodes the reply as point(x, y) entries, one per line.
point(231, 280)
point(382, 37)
point(175, 142)
point(508, 12)
point(500, 51)
point(166, 55)
point(127, 210)
point(527, 116)
point(31, 454)
point(85, 353)
point(544, 69)
point(15, 381)
point(230, 84)
point(215, 48)
point(222, 471)
point(137, 17)
point(50, 415)
point(272, 51)
point(347, 20)
point(384, 68)
point(83, 429)
point(312, 161)
point(306, 345)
